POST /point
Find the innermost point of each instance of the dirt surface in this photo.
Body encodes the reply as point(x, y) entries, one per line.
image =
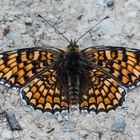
point(20, 27)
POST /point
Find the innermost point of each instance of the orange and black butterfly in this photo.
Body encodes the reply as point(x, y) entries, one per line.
point(51, 80)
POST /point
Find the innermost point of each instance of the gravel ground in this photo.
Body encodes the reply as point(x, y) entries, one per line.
point(20, 27)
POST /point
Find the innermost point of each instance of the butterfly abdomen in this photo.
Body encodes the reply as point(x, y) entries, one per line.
point(73, 85)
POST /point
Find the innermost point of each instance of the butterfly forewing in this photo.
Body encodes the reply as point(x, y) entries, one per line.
point(18, 66)
point(122, 63)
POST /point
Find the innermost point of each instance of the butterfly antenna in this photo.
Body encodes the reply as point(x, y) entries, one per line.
point(54, 28)
point(92, 28)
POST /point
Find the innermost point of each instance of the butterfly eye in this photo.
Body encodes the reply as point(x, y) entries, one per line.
point(68, 46)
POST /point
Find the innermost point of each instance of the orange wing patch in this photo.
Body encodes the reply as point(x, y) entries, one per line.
point(43, 93)
point(103, 94)
point(123, 63)
point(18, 66)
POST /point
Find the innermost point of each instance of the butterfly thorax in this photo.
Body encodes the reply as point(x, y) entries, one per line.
point(72, 57)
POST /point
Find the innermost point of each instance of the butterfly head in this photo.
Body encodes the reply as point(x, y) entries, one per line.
point(72, 46)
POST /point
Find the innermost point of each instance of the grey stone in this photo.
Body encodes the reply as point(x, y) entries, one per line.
point(80, 17)
point(110, 3)
point(83, 133)
point(11, 18)
point(11, 43)
point(118, 125)
point(28, 21)
point(7, 134)
point(59, 117)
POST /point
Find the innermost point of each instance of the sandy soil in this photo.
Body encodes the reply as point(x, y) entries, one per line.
point(72, 17)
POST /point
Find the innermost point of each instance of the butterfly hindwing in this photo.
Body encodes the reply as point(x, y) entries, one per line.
point(44, 93)
point(18, 66)
point(102, 93)
point(122, 63)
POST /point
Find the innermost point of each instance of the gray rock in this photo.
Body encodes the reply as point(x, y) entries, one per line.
point(59, 117)
point(80, 17)
point(11, 18)
point(7, 134)
point(110, 3)
point(11, 43)
point(29, 21)
point(83, 133)
point(118, 125)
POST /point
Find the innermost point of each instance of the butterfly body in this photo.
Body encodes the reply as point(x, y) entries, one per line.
point(71, 64)
point(50, 79)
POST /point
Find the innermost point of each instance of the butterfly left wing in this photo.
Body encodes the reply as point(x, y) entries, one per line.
point(100, 92)
point(44, 93)
point(122, 63)
point(18, 66)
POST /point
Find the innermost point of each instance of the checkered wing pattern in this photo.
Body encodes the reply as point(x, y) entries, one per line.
point(43, 93)
point(103, 93)
point(18, 66)
point(31, 71)
point(122, 63)
point(115, 71)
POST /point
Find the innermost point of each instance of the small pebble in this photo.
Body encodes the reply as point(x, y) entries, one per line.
point(59, 117)
point(80, 17)
point(83, 133)
point(29, 21)
point(118, 125)
point(11, 43)
point(11, 18)
point(7, 134)
point(110, 3)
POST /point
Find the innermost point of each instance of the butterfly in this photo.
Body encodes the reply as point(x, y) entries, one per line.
point(51, 80)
